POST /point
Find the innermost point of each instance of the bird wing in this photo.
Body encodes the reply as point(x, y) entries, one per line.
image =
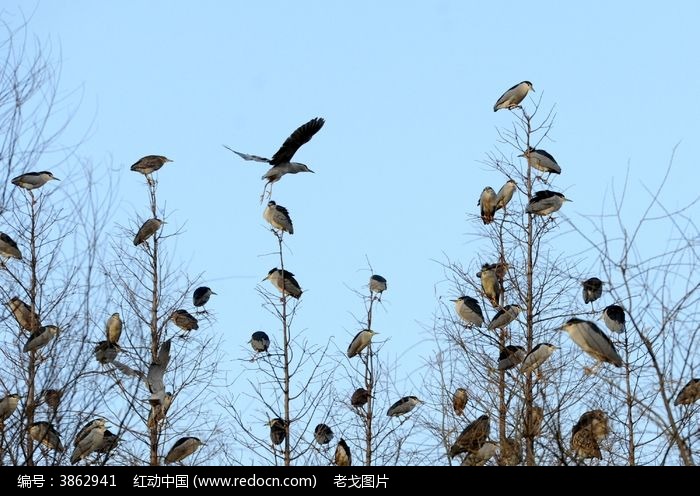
point(300, 136)
point(245, 156)
point(126, 370)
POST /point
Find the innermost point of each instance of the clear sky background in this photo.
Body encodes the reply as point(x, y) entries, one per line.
point(407, 90)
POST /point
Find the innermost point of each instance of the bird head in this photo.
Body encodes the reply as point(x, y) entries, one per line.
point(272, 271)
point(529, 84)
point(49, 176)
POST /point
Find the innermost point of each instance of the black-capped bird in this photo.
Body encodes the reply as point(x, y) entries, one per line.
point(488, 201)
point(505, 194)
point(403, 406)
point(201, 296)
point(260, 341)
point(33, 180)
point(537, 357)
point(8, 405)
point(588, 336)
point(512, 98)
point(8, 247)
point(614, 318)
point(284, 281)
point(277, 431)
point(361, 341)
point(183, 448)
point(504, 316)
point(323, 434)
point(545, 202)
point(281, 161)
point(40, 338)
point(469, 310)
point(88, 440)
point(377, 285)
point(592, 289)
point(542, 161)
point(45, 433)
point(278, 217)
point(510, 356)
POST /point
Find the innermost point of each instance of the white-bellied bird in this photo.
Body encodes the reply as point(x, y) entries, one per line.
point(537, 357)
point(505, 194)
point(614, 318)
point(8, 247)
point(260, 341)
point(542, 161)
point(488, 201)
point(459, 401)
point(278, 217)
point(33, 180)
point(285, 282)
point(588, 336)
point(342, 457)
point(469, 310)
point(183, 448)
point(403, 406)
point(512, 98)
point(545, 202)
point(504, 316)
point(361, 341)
point(510, 356)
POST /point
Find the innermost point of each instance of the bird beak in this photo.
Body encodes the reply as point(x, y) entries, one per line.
point(213, 292)
point(264, 279)
point(57, 179)
point(312, 171)
point(566, 199)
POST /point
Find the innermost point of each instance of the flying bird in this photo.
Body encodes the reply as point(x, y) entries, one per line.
point(343, 458)
point(106, 353)
point(285, 282)
point(488, 201)
point(614, 318)
point(588, 336)
point(504, 316)
point(277, 431)
point(163, 357)
point(537, 357)
point(183, 448)
point(184, 320)
point(689, 394)
point(473, 437)
point(510, 357)
point(505, 194)
point(278, 217)
point(469, 310)
point(512, 98)
point(8, 247)
point(323, 434)
point(459, 400)
point(147, 230)
point(403, 406)
point(201, 296)
point(281, 161)
point(114, 328)
point(159, 411)
point(360, 397)
point(33, 180)
point(45, 433)
point(545, 202)
point(592, 289)
point(259, 341)
point(377, 284)
point(542, 161)
point(40, 338)
point(149, 164)
point(361, 341)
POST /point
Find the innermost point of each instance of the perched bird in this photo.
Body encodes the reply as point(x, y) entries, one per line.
point(106, 353)
point(25, 317)
point(459, 400)
point(89, 439)
point(473, 437)
point(109, 442)
point(343, 458)
point(490, 283)
point(591, 428)
point(689, 394)
point(469, 310)
point(201, 296)
point(277, 431)
point(278, 217)
point(511, 453)
point(505, 316)
point(542, 161)
point(184, 320)
point(360, 397)
point(114, 328)
point(505, 194)
point(159, 411)
point(260, 341)
point(537, 357)
point(8, 247)
point(545, 202)
point(403, 406)
point(377, 284)
point(52, 398)
point(510, 357)
point(488, 201)
point(156, 384)
point(281, 161)
point(149, 164)
point(512, 98)
point(40, 338)
point(614, 318)
point(323, 434)
point(285, 282)
point(44, 433)
point(33, 180)
point(482, 456)
point(361, 340)
point(592, 289)
point(588, 336)
point(8, 405)
point(532, 427)
point(147, 230)
point(183, 448)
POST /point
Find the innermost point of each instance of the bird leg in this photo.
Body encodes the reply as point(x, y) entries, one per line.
point(265, 190)
point(593, 370)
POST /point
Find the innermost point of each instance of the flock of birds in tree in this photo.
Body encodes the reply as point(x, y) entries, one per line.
point(473, 441)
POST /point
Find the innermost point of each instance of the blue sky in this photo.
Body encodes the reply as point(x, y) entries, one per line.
point(407, 90)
